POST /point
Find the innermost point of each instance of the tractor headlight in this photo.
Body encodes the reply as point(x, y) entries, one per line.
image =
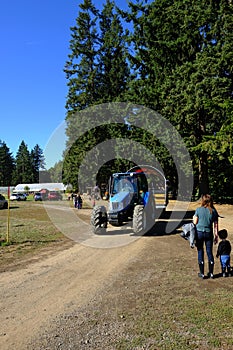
point(120, 206)
point(116, 206)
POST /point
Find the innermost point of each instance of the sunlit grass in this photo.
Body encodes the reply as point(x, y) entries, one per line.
point(30, 229)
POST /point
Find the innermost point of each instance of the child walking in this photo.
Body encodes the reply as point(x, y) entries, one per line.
point(223, 252)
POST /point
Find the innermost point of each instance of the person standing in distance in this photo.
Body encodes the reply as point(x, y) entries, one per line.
point(206, 221)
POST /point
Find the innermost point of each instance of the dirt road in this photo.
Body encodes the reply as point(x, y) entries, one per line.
point(31, 297)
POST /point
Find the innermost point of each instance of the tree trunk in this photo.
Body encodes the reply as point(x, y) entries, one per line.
point(203, 174)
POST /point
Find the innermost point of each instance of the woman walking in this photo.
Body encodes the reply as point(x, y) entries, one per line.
point(206, 221)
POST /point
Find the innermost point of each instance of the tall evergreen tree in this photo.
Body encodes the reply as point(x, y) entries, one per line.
point(186, 69)
point(6, 165)
point(24, 172)
point(38, 162)
point(113, 55)
point(181, 66)
point(97, 72)
point(81, 66)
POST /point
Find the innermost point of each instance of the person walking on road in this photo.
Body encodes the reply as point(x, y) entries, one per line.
point(206, 221)
point(79, 201)
point(75, 200)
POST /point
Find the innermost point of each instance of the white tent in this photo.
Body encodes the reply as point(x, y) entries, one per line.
point(56, 186)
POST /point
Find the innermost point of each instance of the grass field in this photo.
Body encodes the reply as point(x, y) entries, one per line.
point(30, 231)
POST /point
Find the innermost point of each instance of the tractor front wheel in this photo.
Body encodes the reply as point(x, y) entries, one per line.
point(99, 220)
point(139, 220)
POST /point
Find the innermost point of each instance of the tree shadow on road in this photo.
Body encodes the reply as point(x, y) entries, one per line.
point(166, 225)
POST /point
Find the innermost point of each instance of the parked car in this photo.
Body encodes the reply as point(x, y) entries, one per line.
point(38, 196)
point(3, 202)
point(18, 197)
point(54, 196)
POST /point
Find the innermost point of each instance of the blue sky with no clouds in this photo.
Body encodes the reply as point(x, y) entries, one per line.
point(34, 47)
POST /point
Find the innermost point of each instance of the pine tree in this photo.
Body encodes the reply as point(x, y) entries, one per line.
point(113, 55)
point(81, 66)
point(24, 168)
point(186, 69)
point(97, 72)
point(6, 165)
point(38, 162)
point(181, 66)
point(201, 100)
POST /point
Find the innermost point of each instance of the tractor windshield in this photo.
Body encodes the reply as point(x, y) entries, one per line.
point(123, 182)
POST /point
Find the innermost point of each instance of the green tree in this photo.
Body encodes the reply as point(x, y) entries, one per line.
point(6, 165)
point(38, 162)
point(81, 66)
point(44, 176)
point(201, 100)
point(24, 171)
point(186, 69)
point(55, 172)
point(113, 67)
point(81, 71)
point(181, 66)
point(97, 72)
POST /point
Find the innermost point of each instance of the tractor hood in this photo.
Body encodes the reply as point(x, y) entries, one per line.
point(120, 201)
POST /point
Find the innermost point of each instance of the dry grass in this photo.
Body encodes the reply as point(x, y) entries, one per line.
point(30, 231)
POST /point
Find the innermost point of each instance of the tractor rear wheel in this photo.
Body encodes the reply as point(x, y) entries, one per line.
point(150, 212)
point(99, 220)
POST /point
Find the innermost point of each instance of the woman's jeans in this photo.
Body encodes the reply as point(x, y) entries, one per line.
point(207, 238)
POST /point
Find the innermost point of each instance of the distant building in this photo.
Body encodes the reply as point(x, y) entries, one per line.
point(57, 186)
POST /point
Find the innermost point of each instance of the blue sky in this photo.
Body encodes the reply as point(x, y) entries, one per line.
point(34, 47)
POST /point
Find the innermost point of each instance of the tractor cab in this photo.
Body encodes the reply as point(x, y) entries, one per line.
point(133, 183)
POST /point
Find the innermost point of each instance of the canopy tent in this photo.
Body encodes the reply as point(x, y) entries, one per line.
point(37, 187)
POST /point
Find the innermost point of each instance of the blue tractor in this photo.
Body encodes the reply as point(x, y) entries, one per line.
point(139, 196)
